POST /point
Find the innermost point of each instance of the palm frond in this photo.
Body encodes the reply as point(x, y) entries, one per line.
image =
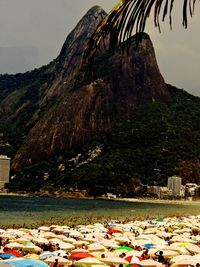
point(128, 15)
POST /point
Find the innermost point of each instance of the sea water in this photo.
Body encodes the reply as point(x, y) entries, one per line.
point(35, 211)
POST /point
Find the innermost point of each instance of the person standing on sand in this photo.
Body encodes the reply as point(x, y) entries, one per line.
point(55, 263)
point(160, 257)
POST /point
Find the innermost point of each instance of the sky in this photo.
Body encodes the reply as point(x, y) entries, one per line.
point(32, 33)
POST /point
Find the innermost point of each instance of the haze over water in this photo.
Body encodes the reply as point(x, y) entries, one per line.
point(34, 211)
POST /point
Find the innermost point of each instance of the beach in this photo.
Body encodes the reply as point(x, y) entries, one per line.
point(160, 242)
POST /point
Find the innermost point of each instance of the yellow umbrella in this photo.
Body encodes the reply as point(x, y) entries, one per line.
point(32, 256)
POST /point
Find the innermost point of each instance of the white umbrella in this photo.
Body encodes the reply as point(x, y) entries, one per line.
point(14, 245)
point(184, 263)
point(66, 246)
point(114, 260)
point(96, 247)
point(88, 261)
point(40, 240)
point(193, 248)
point(151, 263)
point(44, 228)
point(61, 260)
point(181, 258)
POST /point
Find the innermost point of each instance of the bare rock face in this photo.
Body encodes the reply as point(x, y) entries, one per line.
point(70, 58)
point(92, 109)
point(48, 82)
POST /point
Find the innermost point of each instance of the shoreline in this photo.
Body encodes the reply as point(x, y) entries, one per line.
point(159, 201)
point(80, 196)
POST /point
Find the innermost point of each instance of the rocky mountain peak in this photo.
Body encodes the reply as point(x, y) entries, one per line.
point(119, 84)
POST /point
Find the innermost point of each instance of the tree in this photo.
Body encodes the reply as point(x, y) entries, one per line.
point(128, 15)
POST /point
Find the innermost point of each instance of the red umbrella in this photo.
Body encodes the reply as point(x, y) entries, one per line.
point(112, 231)
point(132, 259)
point(14, 252)
point(80, 255)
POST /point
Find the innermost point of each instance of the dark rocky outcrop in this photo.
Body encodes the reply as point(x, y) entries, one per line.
point(92, 110)
point(58, 108)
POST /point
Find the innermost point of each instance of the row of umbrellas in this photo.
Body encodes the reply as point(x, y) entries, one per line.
point(112, 243)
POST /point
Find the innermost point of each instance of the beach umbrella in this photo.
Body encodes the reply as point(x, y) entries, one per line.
point(193, 248)
point(66, 246)
point(14, 245)
point(114, 260)
point(134, 253)
point(80, 255)
point(88, 261)
point(40, 240)
point(21, 262)
point(61, 260)
point(47, 254)
point(6, 256)
point(79, 250)
point(55, 241)
point(3, 264)
point(44, 228)
point(96, 247)
point(132, 259)
point(21, 240)
point(181, 258)
point(113, 231)
point(31, 247)
point(16, 253)
point(109, 243)
point(80, 243)
point(170, 253)
point(149, 245)
point(196, 257)
point(124, 248)
point(184, 263)
point(75, 234)
point(134, 265)
point(49, 235)
point(32, 256)
point(61, 252)
point(150, 263)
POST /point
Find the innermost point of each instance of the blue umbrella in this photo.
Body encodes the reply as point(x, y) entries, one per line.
point(46, 255)
point(6, 256)
point(21, 262)
point(150, 245)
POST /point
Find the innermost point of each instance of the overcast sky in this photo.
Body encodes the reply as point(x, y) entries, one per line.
point(32, 33)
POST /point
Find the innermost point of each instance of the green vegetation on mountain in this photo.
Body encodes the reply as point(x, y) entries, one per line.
point(160, 140)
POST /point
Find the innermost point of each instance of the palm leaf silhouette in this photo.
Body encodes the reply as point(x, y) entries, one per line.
point(128, 15)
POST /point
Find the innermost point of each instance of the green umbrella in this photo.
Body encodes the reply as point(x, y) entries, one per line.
point(124, 248)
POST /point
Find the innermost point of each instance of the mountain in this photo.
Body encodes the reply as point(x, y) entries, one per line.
point(116, 127)
point(25, 98)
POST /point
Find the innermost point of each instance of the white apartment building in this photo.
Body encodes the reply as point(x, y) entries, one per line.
point(4, 171)
point(174, 184)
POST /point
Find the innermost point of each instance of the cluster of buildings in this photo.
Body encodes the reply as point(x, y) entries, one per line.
point(175, 190)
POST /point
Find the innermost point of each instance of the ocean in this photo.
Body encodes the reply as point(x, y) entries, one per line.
point(18, 211)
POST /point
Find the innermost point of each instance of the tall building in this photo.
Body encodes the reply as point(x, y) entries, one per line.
point(174, 184)
point(4, 171)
